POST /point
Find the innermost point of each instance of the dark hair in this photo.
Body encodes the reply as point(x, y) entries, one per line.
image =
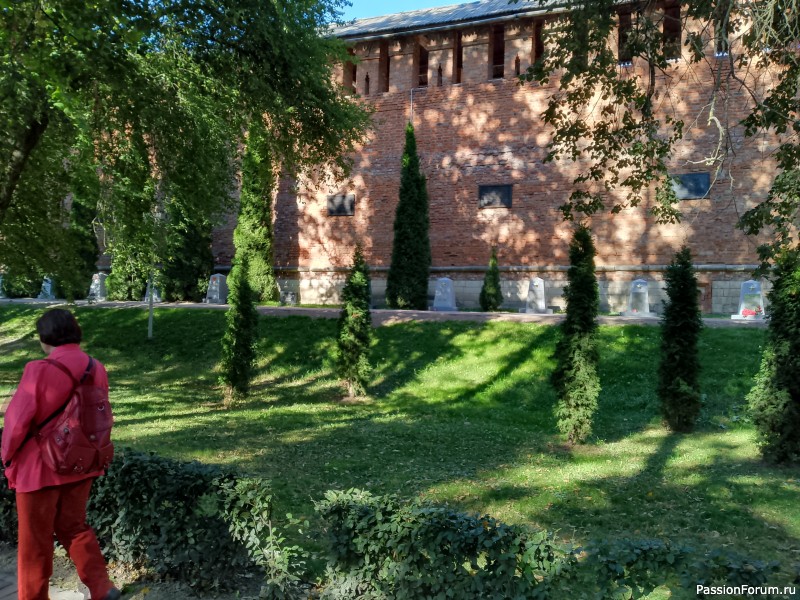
point(57, 327)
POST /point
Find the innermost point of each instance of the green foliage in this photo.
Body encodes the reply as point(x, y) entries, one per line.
point(491, 296)
point(679, 369)
point(241, 334)
point(575, 376)
point(354, 331)
point(248, 511)
point(253, 235)
point(380, 547)
point(775, 398)
point(188, 259)
point(21, 285)
point(187, 521)
point(135, 106)
point(407, 280)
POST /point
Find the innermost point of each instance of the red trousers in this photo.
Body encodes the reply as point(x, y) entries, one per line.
point(59, 510)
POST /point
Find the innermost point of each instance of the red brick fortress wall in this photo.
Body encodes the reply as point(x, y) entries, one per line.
point(486, 131)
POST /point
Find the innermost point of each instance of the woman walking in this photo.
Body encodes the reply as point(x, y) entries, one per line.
point(50, 504)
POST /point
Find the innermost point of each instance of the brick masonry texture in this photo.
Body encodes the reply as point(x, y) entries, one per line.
point(486, 131)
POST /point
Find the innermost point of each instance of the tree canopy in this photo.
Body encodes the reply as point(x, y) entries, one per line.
point(128, 106)
point(608, 119)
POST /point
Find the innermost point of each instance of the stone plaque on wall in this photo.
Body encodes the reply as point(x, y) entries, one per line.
point(341, 205)
point(445, 298)
point(494, 196)
point(691, 185)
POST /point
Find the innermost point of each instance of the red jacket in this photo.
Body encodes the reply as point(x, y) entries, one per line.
point(41, 391)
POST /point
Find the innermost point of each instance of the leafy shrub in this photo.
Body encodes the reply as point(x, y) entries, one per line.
point(774, 400)
point(407, 280)
point(241, 334)
point(575, 377)
point(678, 374)
point(381, 547)
point(491, 296)
point(354, 332)
point(190, 521)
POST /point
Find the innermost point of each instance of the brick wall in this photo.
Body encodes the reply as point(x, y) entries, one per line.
point(488, 131)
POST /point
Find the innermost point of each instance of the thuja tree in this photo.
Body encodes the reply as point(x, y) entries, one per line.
point(491, 296)
point(354, 332)
point(253, 235)
point(678, 384)
point(775, 398)
point(575, 376)
point(241, 333)
point(407, 281)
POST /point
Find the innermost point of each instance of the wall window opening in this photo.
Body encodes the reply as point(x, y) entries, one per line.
point(624, 54)
point(350, 72)
point(538, 42)
point(383, 67)
point(366, 84)
point(458, 57)
point(672, 32)
point(721, 41)
point(421, 55)
point(497, 52)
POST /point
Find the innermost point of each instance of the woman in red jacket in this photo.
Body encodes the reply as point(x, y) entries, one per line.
point(50, 504)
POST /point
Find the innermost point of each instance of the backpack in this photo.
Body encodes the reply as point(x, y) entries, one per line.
point(77, 437)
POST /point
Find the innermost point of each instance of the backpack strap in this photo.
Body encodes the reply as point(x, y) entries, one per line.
point(75, 384)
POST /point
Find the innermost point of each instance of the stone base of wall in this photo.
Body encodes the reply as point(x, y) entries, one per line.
point(720, 286)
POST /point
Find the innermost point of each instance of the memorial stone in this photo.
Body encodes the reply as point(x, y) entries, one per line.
point(2, 292)
point(445, 298)
point(217, 290)
point(537, 299)
point(289, 298)
point(156, 294)
point(97, 290)
point(639, 300)
point(751, 302)
point(47, 290)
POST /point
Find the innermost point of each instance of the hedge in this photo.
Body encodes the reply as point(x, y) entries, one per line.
point(383, 548)
point(185, 520)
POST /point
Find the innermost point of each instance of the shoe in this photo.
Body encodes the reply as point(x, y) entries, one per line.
point(113, 594)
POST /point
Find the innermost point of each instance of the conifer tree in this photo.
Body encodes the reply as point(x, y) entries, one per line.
point(678, 375)
point(241, 334)
point(253, 235)
point(575, 377)
point(774, 400)
point(355, 327)
point(491, 296)
point(407, 281)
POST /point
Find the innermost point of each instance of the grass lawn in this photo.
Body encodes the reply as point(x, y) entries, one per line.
point(458, 412)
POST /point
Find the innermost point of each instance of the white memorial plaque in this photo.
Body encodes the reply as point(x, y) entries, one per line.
point(445, 298)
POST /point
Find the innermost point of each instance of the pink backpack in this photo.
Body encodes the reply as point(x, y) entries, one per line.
point(77, 437)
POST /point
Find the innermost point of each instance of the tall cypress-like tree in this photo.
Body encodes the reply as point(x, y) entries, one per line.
point(407, 281)
point(575, 377)
point(241, 334)
point(355, 327)
point(253, 235)
point(491, 296)
point(774, 400)
point(678, 374)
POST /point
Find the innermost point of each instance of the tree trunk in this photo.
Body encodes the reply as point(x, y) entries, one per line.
point(18, 159)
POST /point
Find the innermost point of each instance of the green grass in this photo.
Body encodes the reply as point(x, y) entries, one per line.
point(458, 412)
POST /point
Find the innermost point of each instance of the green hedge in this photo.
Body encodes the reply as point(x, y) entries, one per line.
point(382, 548)
point(185, 520)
